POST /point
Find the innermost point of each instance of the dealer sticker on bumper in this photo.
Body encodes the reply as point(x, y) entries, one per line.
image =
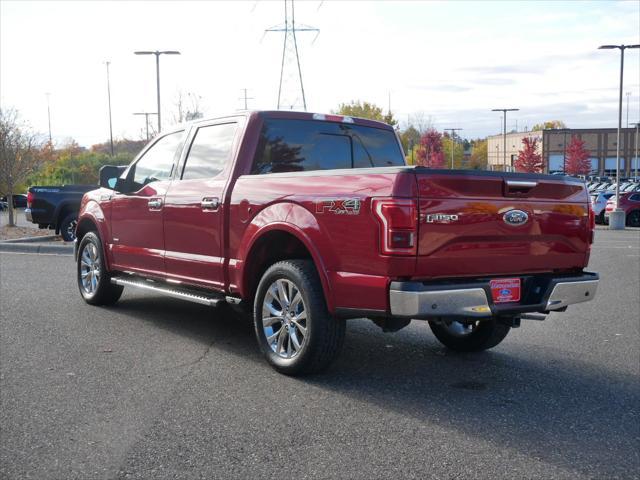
point(505, 290)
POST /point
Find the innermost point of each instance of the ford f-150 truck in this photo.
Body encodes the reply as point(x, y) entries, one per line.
point(307, 220)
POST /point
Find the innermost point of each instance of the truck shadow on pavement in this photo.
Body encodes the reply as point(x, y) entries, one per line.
point(543, 405)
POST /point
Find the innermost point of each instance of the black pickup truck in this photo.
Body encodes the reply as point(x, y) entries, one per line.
point(56, 207)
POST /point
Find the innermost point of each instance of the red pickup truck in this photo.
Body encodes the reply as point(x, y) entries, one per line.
point(307, 220)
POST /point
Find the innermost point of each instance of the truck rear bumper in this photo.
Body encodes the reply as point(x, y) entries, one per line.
point(540, 293)
point(27, 214)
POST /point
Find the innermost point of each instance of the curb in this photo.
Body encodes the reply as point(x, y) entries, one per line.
point(36, 248)
point(37, 239)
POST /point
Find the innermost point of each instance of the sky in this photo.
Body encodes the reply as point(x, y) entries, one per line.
point(449, 63)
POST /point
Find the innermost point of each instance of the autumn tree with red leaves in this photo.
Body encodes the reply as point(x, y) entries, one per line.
point(529, 160)
point(430, 153)
point(577, 158)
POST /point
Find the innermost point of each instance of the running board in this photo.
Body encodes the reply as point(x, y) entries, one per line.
point(202, 298)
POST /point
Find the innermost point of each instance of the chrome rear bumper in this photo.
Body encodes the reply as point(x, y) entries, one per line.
point(473, 299)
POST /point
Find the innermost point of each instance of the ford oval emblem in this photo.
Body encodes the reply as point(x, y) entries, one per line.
point(515, 217)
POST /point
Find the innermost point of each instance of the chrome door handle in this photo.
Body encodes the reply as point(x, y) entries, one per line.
point(155, 203)
point(210, 203)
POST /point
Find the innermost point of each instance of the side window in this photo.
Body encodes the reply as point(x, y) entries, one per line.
point(635, 197)
point(210, 151)
point(158, 162)
point(303, 145)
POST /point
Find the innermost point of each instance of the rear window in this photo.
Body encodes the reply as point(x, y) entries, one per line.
point(305, 145)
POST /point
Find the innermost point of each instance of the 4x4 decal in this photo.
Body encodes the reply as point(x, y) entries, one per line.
point(339, 206)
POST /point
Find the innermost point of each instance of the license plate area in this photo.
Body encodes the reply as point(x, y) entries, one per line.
point(505, 290)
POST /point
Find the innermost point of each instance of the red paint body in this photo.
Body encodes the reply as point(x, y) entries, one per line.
point(215, 250)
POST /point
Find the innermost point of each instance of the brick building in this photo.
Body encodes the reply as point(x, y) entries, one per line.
point(552, 144)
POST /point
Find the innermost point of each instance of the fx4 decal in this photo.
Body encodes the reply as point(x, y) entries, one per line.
point(339, 206)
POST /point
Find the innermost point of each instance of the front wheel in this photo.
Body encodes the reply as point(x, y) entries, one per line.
point(295, 331)
point(94, 281)
point(471, 335)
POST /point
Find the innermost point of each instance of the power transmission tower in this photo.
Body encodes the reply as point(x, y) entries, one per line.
point(291, 89)
point(245, 98)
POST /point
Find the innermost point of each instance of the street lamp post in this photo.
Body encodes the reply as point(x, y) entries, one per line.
point(453, 132)
point(109, 100)
point(49, 117)
point(504, 132)
point(157, 53)
point(617, 217)
point(146, 120)
point(637, 125)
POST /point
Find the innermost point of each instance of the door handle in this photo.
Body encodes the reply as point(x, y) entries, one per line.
point(210, 203)
point(155, 203)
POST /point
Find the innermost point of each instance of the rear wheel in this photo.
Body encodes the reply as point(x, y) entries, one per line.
point(68, 227)
point(471, 335)
point(94, 281)
point(295, 331)
point(633, 219)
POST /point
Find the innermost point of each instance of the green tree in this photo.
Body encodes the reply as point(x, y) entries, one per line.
point(410, 137)
point(479, 155)
point(365, 110)
point(458, 151)
point(550, 125)
point(19, 157)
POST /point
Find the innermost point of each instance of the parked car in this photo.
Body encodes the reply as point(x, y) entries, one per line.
point(306, 220)
point(630, 203)
point(598, 203)
point(19, 200)
point(56, 207)
point(3, 205)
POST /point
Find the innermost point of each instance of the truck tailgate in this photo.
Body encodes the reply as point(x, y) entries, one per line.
point(471, 224)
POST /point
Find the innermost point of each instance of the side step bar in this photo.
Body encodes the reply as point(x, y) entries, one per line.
point(184, 294)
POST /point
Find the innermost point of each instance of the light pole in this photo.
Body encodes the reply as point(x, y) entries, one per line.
point(146, 120)
point(49, 116)
point(628, 94)
point(157, 53)
point(637, 125)
point(453, 132)
point(504, 146)
point(107, 63)
point(617, 217)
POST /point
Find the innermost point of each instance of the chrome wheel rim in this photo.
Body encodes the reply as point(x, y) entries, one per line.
point(71, 230)
point(90, 269)
point(284, 318)
point(460, 329)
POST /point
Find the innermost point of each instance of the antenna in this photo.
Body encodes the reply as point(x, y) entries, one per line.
point(291, 88)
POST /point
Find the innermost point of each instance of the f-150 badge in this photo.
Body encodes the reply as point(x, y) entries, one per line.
point(339, 206)
point(440, 218)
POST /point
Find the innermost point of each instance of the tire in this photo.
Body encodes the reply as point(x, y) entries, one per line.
point(319, 336)
point(94, 281)
point(479, 336)
point(600, 218)
point(633, 219)
point(68, 227)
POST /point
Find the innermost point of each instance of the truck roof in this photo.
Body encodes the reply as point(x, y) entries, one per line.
point(288, 114)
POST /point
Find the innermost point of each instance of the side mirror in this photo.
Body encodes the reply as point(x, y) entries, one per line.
point(109, 176)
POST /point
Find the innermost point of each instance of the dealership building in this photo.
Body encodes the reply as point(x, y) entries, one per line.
point(601, 143)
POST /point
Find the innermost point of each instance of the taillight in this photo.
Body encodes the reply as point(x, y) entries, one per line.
point(29, 199)
point(398, 225)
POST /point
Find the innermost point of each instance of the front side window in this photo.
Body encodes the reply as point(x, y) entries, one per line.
point(304, 145)
point(210, 151)
point(158, 162)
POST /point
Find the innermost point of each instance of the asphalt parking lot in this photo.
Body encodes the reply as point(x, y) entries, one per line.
point(157, 388)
